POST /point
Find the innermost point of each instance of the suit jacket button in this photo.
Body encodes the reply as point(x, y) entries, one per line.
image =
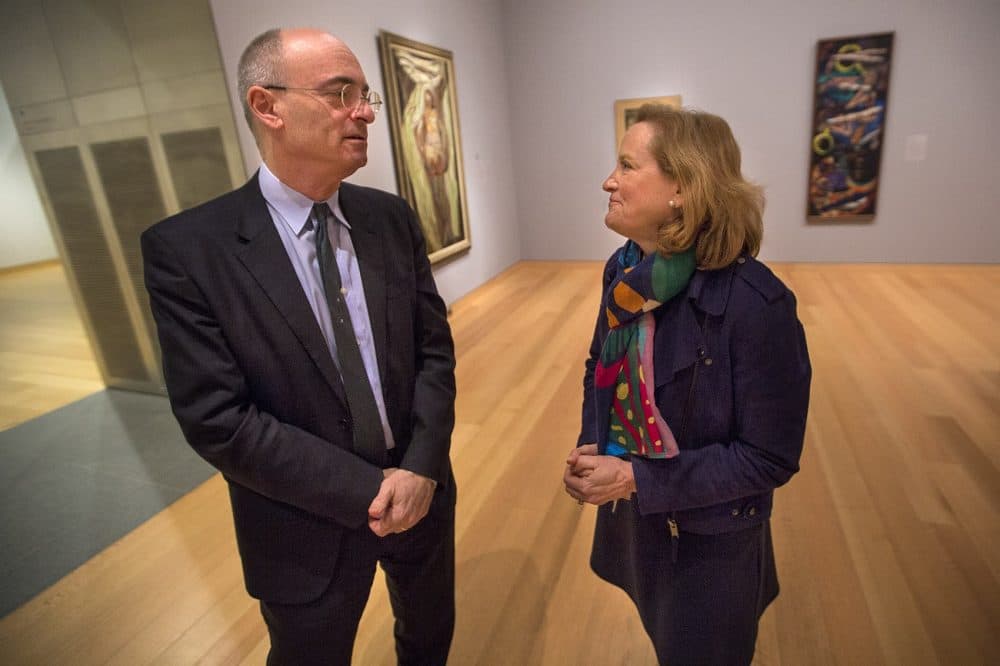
point(752, 511)
point(735, 513)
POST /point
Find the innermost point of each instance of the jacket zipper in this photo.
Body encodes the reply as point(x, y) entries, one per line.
point(675, 537)
point(675, 533)
point(687, 405)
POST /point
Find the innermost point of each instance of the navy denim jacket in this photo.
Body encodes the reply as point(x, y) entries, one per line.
point(732, 380)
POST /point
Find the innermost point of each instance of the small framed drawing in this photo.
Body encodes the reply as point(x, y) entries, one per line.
point(626, 110)
point(426, 139)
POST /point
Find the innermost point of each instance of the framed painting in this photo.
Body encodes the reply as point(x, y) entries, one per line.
point(848, 127)
point(426, 139)
point(626, 110)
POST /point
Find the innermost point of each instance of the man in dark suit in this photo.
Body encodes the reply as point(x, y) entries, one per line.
point(308, 357)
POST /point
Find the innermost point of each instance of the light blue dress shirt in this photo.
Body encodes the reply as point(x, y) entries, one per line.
point(290, 211)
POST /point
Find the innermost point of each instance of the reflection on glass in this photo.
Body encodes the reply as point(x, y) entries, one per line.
point(90, 261)
point(197, 162)
point(133, 194)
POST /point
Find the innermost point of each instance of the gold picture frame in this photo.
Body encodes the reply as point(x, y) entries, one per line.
point(422, 107)
point(625, 110)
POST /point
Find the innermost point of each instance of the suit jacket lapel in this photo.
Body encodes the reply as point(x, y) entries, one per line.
point(368, 245)
point(265, 258)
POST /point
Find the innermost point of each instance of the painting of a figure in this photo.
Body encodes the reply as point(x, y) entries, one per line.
point(423, 121)
point(848, 127)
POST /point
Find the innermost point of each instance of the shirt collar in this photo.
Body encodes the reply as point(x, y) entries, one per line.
point(294, 207)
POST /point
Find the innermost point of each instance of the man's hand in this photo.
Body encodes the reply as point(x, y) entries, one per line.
point(402, 501)
point(597, 479)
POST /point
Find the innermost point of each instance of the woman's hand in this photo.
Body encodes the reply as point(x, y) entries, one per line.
point(597, 479)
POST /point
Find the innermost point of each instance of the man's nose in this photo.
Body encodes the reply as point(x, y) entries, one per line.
point(365, 112)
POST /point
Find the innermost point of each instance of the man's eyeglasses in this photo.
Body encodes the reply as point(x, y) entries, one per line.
point(349, 97)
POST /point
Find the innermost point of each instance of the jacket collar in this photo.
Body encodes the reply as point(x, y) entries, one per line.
point(709, 290)
point(262, 253)
point(254, 218)
point(270, 266)
point(680, 333)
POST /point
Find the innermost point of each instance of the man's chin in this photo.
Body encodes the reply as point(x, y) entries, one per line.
point(356, 161)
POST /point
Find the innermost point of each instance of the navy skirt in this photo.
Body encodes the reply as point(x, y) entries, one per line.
point(700, 599)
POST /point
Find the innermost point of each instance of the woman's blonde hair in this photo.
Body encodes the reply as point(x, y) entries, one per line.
point(722, 211)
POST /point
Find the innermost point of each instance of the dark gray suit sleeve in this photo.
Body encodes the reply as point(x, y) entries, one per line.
point(211, 400)
point(434, 388)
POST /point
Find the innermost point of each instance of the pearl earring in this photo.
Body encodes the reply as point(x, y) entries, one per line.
point(673, 204)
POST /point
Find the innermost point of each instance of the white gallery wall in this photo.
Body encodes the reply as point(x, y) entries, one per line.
point(23, 225)
point(537, 80)
point(473, 31)
point(752, 63)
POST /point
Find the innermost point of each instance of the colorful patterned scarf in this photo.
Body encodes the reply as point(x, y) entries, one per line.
point(624, 385)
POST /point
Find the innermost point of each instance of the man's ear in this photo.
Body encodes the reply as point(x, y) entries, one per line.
point(262, 106)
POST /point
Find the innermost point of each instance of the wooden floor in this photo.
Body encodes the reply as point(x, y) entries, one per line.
point(45, 359)
point(888, 541)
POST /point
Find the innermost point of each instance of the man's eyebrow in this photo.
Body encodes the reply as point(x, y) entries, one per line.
point(340, 80)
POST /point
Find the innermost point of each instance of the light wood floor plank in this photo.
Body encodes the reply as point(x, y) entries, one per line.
point(45, 358)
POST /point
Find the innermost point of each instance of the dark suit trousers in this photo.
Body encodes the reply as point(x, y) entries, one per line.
point(420, 572)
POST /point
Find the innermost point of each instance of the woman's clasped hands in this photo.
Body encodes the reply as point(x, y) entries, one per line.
point(596, 479)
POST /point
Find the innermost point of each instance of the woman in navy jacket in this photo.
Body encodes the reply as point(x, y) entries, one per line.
point(685, 481)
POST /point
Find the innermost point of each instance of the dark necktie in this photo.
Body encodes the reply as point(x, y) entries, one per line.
point(369, 440)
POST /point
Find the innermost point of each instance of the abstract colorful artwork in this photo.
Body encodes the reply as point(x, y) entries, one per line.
point(848, 127)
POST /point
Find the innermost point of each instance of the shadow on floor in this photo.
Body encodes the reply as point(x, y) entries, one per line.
point(77, 479)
